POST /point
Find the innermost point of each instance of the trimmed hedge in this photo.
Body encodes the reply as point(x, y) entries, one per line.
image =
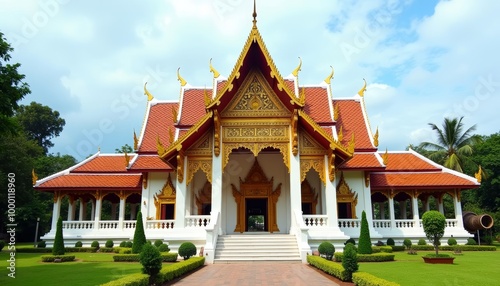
point(81, 249)
point(51, 258)
point(330, 267)
point(375, 257)
point(130, 280)
point(166, 257)
point(106, 249)
point(452, 248)
point(378, 249)
point(398, 248)
point(366, 279)
point(168, 273)
point(34, 250)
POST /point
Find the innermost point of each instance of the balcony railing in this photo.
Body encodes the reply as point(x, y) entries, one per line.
point(84, 224)
point(197, 220)
point(160, 224)
point(314, 221)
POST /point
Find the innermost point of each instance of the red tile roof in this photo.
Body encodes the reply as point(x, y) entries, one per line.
point(352, 120)
point(193, 106)
point(365, 161)
point(290, 84)
point(105, 164)
point(93, 182)
point(422, 180)
point(406, 161)
point(159, 121)
point(317, 104)
point(149, 163)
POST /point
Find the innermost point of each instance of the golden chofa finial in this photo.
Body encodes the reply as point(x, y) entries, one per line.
point(352, 144)
point(174, 114)
point(146, 92)
point(179, 78)
point(336, 112)
point(136, 141)
point(385, 157)
point(479, 174)
point(213, 70)
point(34, 177)
point(254, 15)
point(375, 138)
point(295, 72)
point(361, 92)
point(127, 159)
point(328, 79)
point(340, 135)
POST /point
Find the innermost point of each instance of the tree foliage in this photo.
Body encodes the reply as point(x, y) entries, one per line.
point(58, 248)
point(187, 249)
point(139, 236)
point(12, 88)
point(125, 149)
point(350, 260)
point(40, 123)
point(434, 224)
point(151, 261)
point(365, 242)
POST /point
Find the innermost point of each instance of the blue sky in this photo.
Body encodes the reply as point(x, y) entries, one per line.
point(423, 60)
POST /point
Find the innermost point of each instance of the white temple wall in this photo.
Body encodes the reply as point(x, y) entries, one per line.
point(156, 181)
point(356, 182)
point(313, 178)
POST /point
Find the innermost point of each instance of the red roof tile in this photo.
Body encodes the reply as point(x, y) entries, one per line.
point(220, 86)
point(103, 163)
point(193, 106)
point(93, 182)
point(407, 162)
point(150, 163)
point(159, 121)
point(419, 181)
point(291, 85)
point(352, 120)
point(363, 161)
point(317, 104)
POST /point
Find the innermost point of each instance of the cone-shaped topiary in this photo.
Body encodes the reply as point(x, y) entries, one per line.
point(365, 242)
point(139, 236)
point(187, 249)
point(58, 248)
point(151, 261)
point(326, 249)
point(350, 260)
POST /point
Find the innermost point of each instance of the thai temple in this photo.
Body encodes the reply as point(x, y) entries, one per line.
point(256, 159)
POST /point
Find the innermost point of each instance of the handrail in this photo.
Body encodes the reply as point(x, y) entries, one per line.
point(212, 230)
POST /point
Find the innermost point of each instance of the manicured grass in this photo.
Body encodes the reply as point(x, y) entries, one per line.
point(471, 268)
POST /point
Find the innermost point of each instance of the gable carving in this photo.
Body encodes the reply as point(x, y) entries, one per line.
point(202, 147)
point(309, 146)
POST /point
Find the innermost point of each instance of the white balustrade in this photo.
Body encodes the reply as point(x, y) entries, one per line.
point(451, 223)
point(160, 224)
point(314, 221)
point(89, 224)
point(108, 224)
point(197, 220)
point(129, 224)
point(382, 223)
point(405, 223)
point(349, 223)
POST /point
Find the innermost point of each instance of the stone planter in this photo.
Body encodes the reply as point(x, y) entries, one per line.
point(438, 260)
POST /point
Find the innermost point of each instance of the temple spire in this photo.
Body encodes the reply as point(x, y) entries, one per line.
point(254, 15)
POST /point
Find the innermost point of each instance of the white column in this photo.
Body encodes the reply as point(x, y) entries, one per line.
point(217, 186)
point(121, 213)
point(331, 198)
point(83, 210)
point(71, 209)
point(92, 211)
point(113, 210)
point(180, 200)
point(415, 211)
point(458, 209)
point(382, 210)
point(295, 192)
point(402, 209)
point(56, 211)
point(392, 214)
point(97, 217)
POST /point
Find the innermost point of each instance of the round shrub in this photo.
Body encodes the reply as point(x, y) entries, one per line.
point(109, 243)
point(41, 244)
point(151, 261)
point(351, 241)
point(452, 241)
point(350, 260)
point(78, 244)
point(471, 241)
point(123, 244)
point(158, 242)
point(163, 248)
point(187, 249)
point(326, 249)
point(129, 244)
point(422, 242)
point(390, 242)
point(95, 243)
point(407, 243)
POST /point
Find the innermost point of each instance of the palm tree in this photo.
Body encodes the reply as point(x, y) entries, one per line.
point(454, 146)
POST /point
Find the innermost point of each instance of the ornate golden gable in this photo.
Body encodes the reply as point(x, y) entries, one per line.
point(166, 196)
point(346, 195)
point(309, 146)
point(202, 147)
point(204, 197)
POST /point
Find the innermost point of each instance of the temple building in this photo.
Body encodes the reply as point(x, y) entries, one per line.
point(256, 158)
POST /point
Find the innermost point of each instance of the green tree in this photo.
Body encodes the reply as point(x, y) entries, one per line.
point(40, 123)
point(139, 236)
point(434, 224)
point(151, 261)
point(350, 260)
point(125, 149)
point(365, 242)
point(454, 146)
point(12, 88)
point(58, 248)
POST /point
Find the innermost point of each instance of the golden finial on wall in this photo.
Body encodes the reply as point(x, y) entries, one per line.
point(479, 174)
point(328, 79)
point(295, 72)
point(213, 70)
point(385, 157)
point(375, 138)
point(127, 159)
point(336, 112)
point(361, 92)
point(302, 98)
point(136, 141)
point(34, 177)
point(340, 135)
point(146, 92)
point(170, 135)
point(180, 79)
point(159, 147)
point(208, 99)
point(352, 144)
point(174, 114)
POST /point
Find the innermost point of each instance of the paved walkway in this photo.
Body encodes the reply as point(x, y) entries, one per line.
point(256, 273)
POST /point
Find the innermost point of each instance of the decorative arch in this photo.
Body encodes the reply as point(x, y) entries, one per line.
point(165, 200)
point(346, 198)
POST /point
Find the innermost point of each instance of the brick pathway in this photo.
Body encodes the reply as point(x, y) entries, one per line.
point(256, 273)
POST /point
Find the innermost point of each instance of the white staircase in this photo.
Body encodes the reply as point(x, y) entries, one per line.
point(256, 247)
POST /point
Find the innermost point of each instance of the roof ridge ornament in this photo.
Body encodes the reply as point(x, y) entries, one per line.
point(254, 14)
point(146, 92)
point(385, 157)
point(375, 138)
point(179, 78)
point(330, 76)
point(136, 141)
point(361, 92)
point(295, 72)
point(213, 70)
point(34, 176)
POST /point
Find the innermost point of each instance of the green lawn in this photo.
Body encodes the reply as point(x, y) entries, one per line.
point(471, 268)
